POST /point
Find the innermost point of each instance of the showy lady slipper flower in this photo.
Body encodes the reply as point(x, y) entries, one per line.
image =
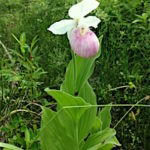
point(84, 44)
point(82, 40)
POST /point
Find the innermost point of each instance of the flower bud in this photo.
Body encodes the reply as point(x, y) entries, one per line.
point(84, 42)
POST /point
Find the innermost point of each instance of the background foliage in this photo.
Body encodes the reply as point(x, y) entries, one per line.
point(124, 63)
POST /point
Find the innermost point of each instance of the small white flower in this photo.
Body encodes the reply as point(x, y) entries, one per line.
point(78, 13)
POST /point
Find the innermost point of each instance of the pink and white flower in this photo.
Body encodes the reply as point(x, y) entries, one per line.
point(83, 41)
point(86, 44)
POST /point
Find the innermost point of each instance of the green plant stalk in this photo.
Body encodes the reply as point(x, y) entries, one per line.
point(76, 137)
point(74, 65)
point(128, 112)
point(19, 110)
point(106, 105)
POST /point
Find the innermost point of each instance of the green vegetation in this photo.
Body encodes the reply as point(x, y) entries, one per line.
point(33, 59)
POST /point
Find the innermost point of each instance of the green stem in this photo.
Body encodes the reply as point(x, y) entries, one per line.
point(76, 137)
point(2, 87)
point(128, 112)
point(74, 66)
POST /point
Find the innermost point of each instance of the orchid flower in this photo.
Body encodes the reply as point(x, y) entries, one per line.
point(80, 23)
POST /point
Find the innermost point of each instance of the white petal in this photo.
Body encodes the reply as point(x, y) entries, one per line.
point(62, 26)
point(69, 33)
point(90, 21)
point(83, 8)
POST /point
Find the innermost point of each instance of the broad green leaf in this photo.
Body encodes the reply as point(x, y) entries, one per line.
point(113, 141)
point(88, 118)
point(110, 143)
point(54, 135)
point(96, 125)
point(97, 140)
point(74, 106)
point(68, 84)
point(106, 147)
point(84, 70)
point(81, 117)
point(64, 115)
point(105, 117)
point(88, 94)
point(9, 146)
